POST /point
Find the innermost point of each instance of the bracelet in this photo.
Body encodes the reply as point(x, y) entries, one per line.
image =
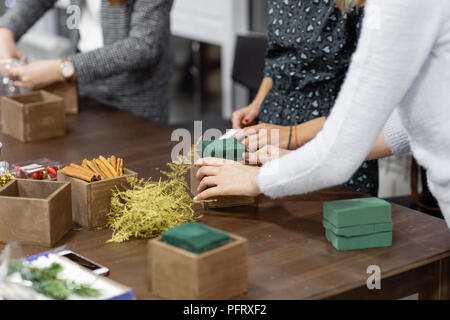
point(296, 139)
point(290, 136)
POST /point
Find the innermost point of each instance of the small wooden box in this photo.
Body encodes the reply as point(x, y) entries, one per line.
point(219, 202)
point(69, 93)
point(92, 201)
point(33, 116)
point(178, 274)
point(35, 212)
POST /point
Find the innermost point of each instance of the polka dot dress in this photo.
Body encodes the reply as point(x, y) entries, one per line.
point(309, 50)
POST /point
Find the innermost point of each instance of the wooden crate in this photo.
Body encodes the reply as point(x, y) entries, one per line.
point(219, 202)
point(35, 212)
point(69, 93)
point(92, 201)
point(33, 116)
point(178, 274)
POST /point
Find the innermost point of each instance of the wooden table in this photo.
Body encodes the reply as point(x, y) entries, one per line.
point(289, 257)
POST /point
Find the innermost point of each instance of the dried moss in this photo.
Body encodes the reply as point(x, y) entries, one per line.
point(148, 208)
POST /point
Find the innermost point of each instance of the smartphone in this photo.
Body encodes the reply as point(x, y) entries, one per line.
point(84, 262)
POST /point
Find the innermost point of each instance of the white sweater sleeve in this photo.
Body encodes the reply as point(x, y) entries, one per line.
point(396, 39)
point(395, 135)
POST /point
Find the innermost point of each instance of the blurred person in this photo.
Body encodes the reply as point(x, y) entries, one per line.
point(123, 59)
point(310, 44)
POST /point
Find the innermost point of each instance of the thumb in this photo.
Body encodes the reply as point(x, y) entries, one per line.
point(250, 116)
point(19, 55)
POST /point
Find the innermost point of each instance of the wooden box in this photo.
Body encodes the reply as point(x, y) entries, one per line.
point(178, 274)
point(69, 93)
point(219, 202)
point(33, 116)
point(35, 212)
point(92, 201)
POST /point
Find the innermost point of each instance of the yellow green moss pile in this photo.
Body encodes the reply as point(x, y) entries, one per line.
point(148, 208)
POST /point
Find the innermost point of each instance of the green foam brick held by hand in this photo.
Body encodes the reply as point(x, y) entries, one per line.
point(230, 149)
point(355, 212)
point(375, 240)
point(195, 237)
point(358, 230)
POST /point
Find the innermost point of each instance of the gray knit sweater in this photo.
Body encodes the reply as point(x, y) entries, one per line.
point(132, 71)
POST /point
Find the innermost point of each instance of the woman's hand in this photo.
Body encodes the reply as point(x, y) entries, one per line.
point(265, 154)
point(261, 135)
point(8, 47)
point(37, 75)
point(221, 177)
point(245, 116)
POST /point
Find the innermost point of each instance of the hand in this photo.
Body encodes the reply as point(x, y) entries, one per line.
point(37, 75)
point(8, 48)
point(265, 154)
point(261, 135)
point(221, 177)
point(245, 116)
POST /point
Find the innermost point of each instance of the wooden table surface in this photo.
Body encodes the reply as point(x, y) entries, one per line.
point(289, 257)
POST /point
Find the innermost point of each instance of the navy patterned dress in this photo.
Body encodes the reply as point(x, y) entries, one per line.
point(309, 50)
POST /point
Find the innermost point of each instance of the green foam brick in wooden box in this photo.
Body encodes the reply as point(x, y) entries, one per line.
point(195, 237)
point(355, 212)
point(358, 230)
point(230, 149)
point(374, 240)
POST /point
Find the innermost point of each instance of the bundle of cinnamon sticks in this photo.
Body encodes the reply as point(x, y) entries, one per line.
point(96, 169)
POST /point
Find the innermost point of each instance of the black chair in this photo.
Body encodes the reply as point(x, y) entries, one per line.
point(248, 69)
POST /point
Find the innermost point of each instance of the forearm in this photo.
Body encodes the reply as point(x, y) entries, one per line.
point(308, 130)
point(264, 88)
point(23, 15)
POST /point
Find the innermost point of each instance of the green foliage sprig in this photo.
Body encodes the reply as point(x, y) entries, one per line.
point(148, 208)
point(45, 281)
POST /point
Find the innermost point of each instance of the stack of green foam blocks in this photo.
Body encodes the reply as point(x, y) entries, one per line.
point(358, 223)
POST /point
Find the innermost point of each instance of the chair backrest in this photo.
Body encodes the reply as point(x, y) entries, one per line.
point(248, 69)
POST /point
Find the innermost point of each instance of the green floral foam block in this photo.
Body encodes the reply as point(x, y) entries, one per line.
point(230, 149)
point(356, 212)
point(375, 240)
point(195, 237)
point(358, 230)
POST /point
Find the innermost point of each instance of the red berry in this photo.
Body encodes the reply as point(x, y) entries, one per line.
point(36, 176)
point(52, 171)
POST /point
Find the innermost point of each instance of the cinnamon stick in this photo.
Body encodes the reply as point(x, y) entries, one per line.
point(120, 167)
point(104, 169)
point(108, 166)
point(113, 162)
point(79, 174)
point(86, 171)
point(84, 164)
point(93, 166)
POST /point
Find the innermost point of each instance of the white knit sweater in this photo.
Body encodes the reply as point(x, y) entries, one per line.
point(402, 59)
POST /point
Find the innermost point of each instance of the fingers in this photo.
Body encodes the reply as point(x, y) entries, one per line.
point(259, 157)
point(206, 183)
point(255, 142)
point(237, 119)
point(207, 171)
point(251, 116)
point(209, 193)
point(266, 154)
point(249, 131)
point(19, 55)
point(214, 162)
